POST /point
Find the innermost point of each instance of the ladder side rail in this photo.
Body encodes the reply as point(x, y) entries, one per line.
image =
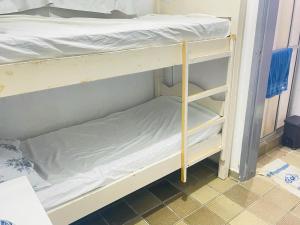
point(184, 112)
point(226, 153)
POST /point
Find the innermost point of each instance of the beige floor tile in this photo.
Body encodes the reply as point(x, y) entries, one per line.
point(264, 160)
point(284, 148)
point(181, 223)
point(277, 153)
point(259, 185)
point(289, 219)
point(183, 205)
point(222, 185)
point(295, 152)
point(282, 198)
point(247, 218)
point(164, 190)
point(267, 211)
point(225, 208)
point(296, 211)
point(161, 216)
point(137, 221)
point(204, 216)
point(142, 201)
point(292, 159)
point(205, 194)
point(241, 196)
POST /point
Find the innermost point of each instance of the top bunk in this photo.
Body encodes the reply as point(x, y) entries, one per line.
point(26, 38)
point(43, 53)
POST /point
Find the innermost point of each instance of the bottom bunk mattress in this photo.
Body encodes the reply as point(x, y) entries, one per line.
point(78, 159)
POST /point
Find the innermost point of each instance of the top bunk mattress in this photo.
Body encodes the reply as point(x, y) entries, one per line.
point(24, 38)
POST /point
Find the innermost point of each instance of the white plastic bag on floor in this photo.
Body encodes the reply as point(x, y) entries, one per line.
point(284, 174)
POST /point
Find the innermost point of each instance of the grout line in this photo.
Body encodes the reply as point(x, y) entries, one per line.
point(297, 205)
point(105, 221)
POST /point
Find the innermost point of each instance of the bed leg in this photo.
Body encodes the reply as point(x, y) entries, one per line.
point(184, 112)
point(227, 134)
point(158, 74)
point(157, 6)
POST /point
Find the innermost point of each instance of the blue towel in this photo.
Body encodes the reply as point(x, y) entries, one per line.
point(279, 72)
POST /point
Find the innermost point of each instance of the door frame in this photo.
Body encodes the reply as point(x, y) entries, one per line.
point(261, 61)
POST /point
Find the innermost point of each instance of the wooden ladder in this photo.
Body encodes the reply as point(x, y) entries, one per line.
point(186, 99)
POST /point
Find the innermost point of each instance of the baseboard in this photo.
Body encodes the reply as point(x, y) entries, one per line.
point(234, 175)
point(270, 142)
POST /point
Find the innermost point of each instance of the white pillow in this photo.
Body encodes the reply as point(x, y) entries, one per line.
point(129, 6)
point(13, 165)
point(101, 6)
point(13, 6)
point(18, 167)
point(9, 148)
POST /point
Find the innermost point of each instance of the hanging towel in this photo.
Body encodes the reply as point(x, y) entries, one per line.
point(279, 72)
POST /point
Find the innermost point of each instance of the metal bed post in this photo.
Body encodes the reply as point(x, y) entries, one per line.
point(224, 163)
point(184, 118)
point(157, 82)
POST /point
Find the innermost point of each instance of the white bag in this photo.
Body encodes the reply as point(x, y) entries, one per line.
point(284, 174)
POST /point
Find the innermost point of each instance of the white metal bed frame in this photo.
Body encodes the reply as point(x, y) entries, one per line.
point(37, 75)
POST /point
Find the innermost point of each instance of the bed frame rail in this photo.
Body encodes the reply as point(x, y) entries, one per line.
point(90, 202)
point(26, 77)
point(37, 75)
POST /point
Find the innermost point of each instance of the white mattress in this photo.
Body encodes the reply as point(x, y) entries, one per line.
point(78, 159)
point(30, 37)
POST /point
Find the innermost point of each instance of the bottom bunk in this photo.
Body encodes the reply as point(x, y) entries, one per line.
point(88, 166)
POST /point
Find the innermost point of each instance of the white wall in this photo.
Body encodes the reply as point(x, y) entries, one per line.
point(249, 37)
point(33, 114)
point(207, 75)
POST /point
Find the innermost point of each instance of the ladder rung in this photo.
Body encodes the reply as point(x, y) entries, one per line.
point(210, 57)
point(209, 123)
point(207, 93)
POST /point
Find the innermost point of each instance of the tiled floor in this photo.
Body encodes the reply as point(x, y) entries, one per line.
point(207, 200)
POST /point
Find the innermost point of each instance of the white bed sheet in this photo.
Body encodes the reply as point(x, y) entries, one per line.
point(78, 159)
point(31, 37)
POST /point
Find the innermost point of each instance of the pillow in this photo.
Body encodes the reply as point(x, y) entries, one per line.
point(9, 148)
point(13, 165)
point(18, 167)
point(100, 6)
point(129, 6)
point(13, 6)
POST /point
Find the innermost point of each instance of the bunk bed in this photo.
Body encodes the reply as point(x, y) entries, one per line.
point(116, 161)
